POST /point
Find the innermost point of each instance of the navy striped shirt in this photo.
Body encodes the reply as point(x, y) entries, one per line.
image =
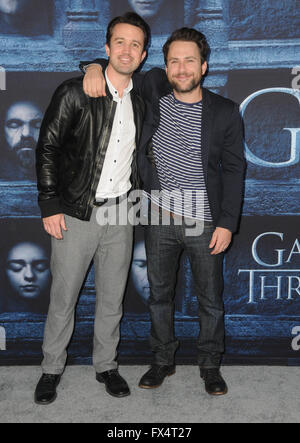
point(178, 158)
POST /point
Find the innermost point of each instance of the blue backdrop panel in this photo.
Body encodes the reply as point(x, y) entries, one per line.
point(255, 52)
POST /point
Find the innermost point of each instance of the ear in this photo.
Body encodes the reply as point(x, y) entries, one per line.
point(204, 68)
point(144, 55)
point(107, 50)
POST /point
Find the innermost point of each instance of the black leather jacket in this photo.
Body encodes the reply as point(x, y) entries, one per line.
point(72, 146)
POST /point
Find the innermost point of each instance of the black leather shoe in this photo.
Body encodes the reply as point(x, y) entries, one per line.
point(45, 392)
point(114, 383)
point(155, 376)
point(214, 382)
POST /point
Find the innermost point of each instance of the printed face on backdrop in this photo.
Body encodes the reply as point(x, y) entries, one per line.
point(27, 270)
point(146, 8)
point(126, 49)
point(139, 271)
point(13, 7)
point(27, 17)
point(21, 128)
point(184, 67)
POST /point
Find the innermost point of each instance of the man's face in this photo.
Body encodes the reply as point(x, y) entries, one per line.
point(12, 7)
point(126, 50)
point(146, 8)
point(21, 128)
point(184, 67)
point(27, 270)
point(139, 271)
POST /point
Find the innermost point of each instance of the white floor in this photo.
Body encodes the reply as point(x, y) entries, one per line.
point(256, 395)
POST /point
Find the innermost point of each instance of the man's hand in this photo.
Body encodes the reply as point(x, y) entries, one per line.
point(220, 241)
point(94, 82)
point(54, 225)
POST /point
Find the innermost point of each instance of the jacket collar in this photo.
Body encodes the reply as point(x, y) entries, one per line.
point(206, 97)
point(108, 93)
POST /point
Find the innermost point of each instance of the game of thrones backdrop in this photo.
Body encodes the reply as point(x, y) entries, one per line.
point(255, 47)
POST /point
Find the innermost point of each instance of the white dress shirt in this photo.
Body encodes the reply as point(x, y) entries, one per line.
point(116, 171)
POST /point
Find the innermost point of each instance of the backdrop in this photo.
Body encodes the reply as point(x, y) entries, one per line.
point(255, 44)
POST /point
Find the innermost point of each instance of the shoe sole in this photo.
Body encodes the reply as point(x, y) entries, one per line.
point(156, 386)
point(218, 394)
point(100, 380)
point(45, 403)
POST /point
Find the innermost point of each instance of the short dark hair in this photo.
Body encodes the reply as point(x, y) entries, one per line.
point(130, 18)
point(188, 35)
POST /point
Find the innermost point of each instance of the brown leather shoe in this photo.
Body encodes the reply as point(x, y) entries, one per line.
point(214, 382)
point(114, 383)
point(155, 376)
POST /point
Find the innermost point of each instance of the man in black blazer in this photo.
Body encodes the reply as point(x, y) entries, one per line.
point(192, 143)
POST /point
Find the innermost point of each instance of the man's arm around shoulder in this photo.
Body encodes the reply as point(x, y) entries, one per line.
point(94, 82)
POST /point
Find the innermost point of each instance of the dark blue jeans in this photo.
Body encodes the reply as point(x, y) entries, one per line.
point(164, 245)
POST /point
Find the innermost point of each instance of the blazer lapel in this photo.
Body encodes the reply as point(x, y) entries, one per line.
point(207, 124)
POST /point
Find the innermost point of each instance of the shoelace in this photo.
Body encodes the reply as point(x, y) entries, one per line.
point(112, 372)
point(213, 375)
point(156, 368)
point(49, 377)
point(48, 380)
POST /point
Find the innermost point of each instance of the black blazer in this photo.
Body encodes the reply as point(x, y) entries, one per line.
point(222, 145)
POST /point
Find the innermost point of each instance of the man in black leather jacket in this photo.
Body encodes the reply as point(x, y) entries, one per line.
point(192, 140)
point(86, 158)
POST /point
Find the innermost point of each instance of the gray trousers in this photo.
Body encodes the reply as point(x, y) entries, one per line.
point(110, 247)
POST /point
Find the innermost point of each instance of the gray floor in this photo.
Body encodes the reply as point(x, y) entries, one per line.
point(256, 395)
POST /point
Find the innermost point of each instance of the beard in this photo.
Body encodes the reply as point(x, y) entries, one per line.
point(191, 86)
point(24, 151)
